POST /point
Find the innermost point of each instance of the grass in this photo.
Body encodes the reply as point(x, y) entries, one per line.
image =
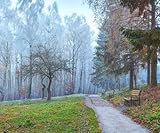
point(68, 115)
point(148, 114)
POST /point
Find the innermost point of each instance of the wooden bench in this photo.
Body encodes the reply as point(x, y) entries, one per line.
point(135, 97)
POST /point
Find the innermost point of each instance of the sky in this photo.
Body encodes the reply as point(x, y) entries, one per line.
point(68, 7)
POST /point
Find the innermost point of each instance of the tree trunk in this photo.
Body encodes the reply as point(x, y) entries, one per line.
point(49, 89)
point(43, 87)
point(73, 71)
point(148, 68)
point(119, 83)
point(21, 74)
point(73, 80)
point(5, 77)
point(2, 96)
point(84, 80)
point(154, 68)
point(30, 87)
point(154, 50)
point(148, 57)
point(9, 81)
point(80, 82)
point(135, 80)
point(30, 76)
point(131, 78)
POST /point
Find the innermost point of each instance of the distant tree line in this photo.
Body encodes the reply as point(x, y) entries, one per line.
point(41, 53)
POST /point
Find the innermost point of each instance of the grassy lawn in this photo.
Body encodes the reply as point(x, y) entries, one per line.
point(68, 115)
point(148, 114)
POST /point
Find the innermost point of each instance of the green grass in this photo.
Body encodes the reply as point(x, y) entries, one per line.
point(68, 115)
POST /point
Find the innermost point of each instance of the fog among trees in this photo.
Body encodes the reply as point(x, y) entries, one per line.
point(43, 54)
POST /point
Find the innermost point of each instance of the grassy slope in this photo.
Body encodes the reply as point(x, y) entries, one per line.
point(148, 114)
point(68, 115)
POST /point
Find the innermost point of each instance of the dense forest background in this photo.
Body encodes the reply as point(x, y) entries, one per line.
point(43, 54)
point(128, 43)
point(29, 33)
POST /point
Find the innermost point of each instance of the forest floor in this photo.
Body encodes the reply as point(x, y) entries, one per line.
point(110, 119)
point(65, 115)
point(148, 114)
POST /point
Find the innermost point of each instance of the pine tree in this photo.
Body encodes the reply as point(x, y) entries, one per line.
point(144, 6)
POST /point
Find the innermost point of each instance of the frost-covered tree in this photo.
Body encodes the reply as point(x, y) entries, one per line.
point(79, 39)
point(28, 25)
point(28, 28)
point(7, 17)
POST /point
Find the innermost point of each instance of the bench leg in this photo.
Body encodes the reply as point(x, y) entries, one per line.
point(127, 103)
point(131, 102)
point(139, 102)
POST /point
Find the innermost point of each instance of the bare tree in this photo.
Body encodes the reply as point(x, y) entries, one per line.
point(47, 63)
point(5, 59)
point(78, 36)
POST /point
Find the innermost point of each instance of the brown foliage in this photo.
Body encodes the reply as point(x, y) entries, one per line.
point(135, 4)
point(151, 94)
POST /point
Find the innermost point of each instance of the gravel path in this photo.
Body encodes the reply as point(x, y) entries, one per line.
point(110, 119)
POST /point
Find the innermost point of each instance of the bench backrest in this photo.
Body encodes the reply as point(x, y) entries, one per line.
point(136, 93)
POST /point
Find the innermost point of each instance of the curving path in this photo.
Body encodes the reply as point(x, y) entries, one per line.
point(110, 119)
